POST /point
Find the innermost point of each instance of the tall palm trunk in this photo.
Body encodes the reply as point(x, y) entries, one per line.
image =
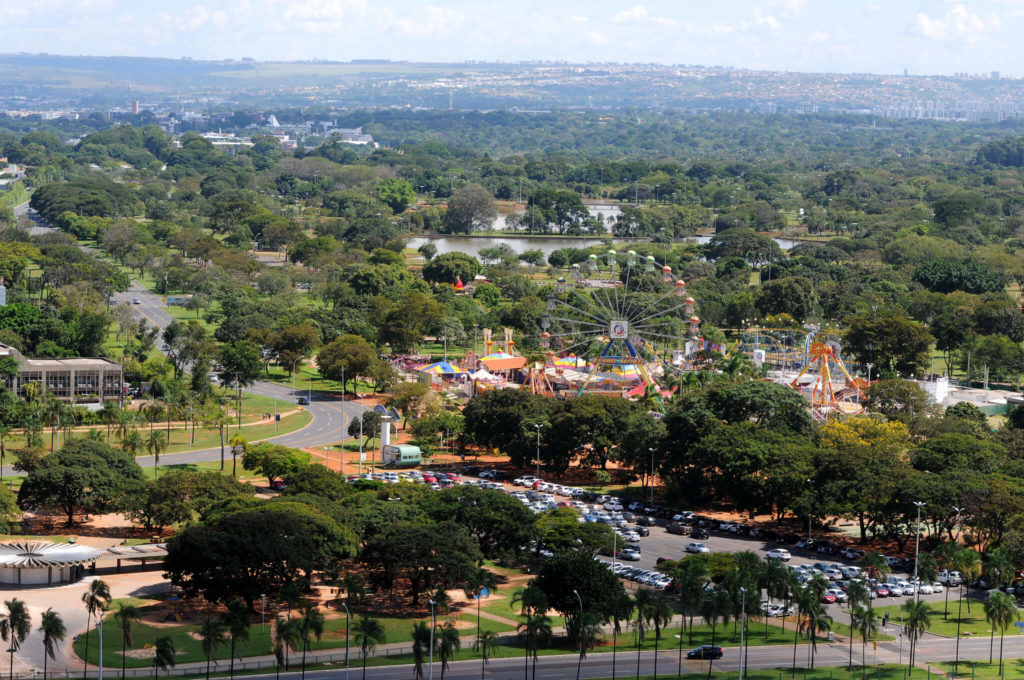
point(796, 638)
point(231, 665)
point(1002, 634)
point(124, 656)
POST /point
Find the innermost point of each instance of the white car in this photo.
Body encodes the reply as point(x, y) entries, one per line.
point(631, 536)
point(694, 547)
point(779, 554)
point(925, 589)
point(937, 587)
point(631, 554)
point(613, 505)
point(837, 593)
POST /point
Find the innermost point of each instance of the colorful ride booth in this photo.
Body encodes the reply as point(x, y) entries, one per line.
point(442, 375)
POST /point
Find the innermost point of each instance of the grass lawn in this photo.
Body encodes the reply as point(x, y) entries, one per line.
point(1012, 668)
point(973, 623)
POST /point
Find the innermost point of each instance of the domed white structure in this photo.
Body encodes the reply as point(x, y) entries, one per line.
point(26, 563)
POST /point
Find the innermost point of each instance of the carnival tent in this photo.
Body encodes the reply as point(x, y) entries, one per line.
point(442, 368)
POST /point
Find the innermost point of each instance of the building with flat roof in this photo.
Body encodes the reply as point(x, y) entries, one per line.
point(78, 380)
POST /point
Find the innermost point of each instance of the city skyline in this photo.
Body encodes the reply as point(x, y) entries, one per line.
point(923, 38)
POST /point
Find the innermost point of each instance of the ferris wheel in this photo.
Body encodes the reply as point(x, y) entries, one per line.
point(631, 315)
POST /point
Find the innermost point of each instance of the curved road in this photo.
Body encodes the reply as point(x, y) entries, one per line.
point(331, 415)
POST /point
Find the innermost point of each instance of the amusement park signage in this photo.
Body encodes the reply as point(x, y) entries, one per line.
point(619, 329)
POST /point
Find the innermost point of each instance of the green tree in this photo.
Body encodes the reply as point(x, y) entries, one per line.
point(470, 208)
point(125, 616)
point(156, 443)
point(398, 194)
point(274, 461)
point(863, 621)
point(52, 627)
point(560, 575)
point(535, 629)
point(890, 341)
point(368, 633)
point(449, 267)
point(420, 647)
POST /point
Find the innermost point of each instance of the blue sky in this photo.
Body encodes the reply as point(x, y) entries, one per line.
point(878, 36)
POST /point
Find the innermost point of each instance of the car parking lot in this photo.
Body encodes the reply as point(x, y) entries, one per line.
point(648, 533)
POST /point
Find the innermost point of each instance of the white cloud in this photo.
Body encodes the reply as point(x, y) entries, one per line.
point(597, 38)
point(818, 37)
point(637, 14)
point(432, 22)
point(958, 23)
point(760, 20)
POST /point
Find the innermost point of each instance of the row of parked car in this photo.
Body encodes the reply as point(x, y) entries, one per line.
point(646, 577)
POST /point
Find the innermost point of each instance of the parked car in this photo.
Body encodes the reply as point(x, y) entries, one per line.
point(678, 528)
point(695, 547)
point(705, 652)
point(779, 554)
point(700, 532)
point(631, 554)
point(645, 521)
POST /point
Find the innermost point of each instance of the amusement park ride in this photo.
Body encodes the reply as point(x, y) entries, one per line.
point(648, 334)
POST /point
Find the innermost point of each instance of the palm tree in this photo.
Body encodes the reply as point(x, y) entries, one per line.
point(481, 579)
point(236, 620)
point(858, 597)
point(420, 647)
point(164, 654)
point(487, 644)
point(1000, 610)
point(804, 599)
point(156, 443)
point(448, 643)
point(15, 626)
point(536, 628)
point(125, 616)
point(968, 563)
point(286, 636)
point(53, 630)
point(368, 633)
point(124, 423)
point(661, 615)
point(133, 443)
point(220, 419)
point(944, 553)
point(863, 620)
point(876, 565)
point(917, 619)
point(212, 634)
point(238, 444)
point(815, 621)
point(311, 623)
point(642, 602)
point(691, 581)
point(95, 599)
point(622, 611)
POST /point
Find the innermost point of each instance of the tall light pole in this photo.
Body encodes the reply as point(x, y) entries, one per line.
point(959, 526)
point(743, 624)
point(870, 366)
point(917, 549)
point(432, 603)
point(579, 664)
point(99, 627)
point(346, 639)
point(538, 426)
point(652, 475)
point(810, 516)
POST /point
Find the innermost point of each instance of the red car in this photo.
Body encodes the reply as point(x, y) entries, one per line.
point(828, 599)
point(429, 478)
point(882, 591)
point(454, 477)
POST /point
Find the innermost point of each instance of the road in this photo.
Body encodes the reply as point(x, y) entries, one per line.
point(330, 414)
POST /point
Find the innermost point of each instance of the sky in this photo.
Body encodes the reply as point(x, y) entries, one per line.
point(879, 36)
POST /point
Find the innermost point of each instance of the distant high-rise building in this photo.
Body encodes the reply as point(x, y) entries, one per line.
point(135, 107)
point(905, 72)
point(995, 75)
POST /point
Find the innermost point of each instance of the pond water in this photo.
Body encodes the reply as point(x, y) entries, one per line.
point(472, 245)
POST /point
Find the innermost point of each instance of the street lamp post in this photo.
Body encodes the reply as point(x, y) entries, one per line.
point(432, 603)
point(346, 638)
point(99, 627)
point(960, 601)
point(743, 625)
point(917, 549)
point(538, 426)
point(870, 366)
point(810, 516)
point(652, 475)
point(959, 526)
point(579, 663)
